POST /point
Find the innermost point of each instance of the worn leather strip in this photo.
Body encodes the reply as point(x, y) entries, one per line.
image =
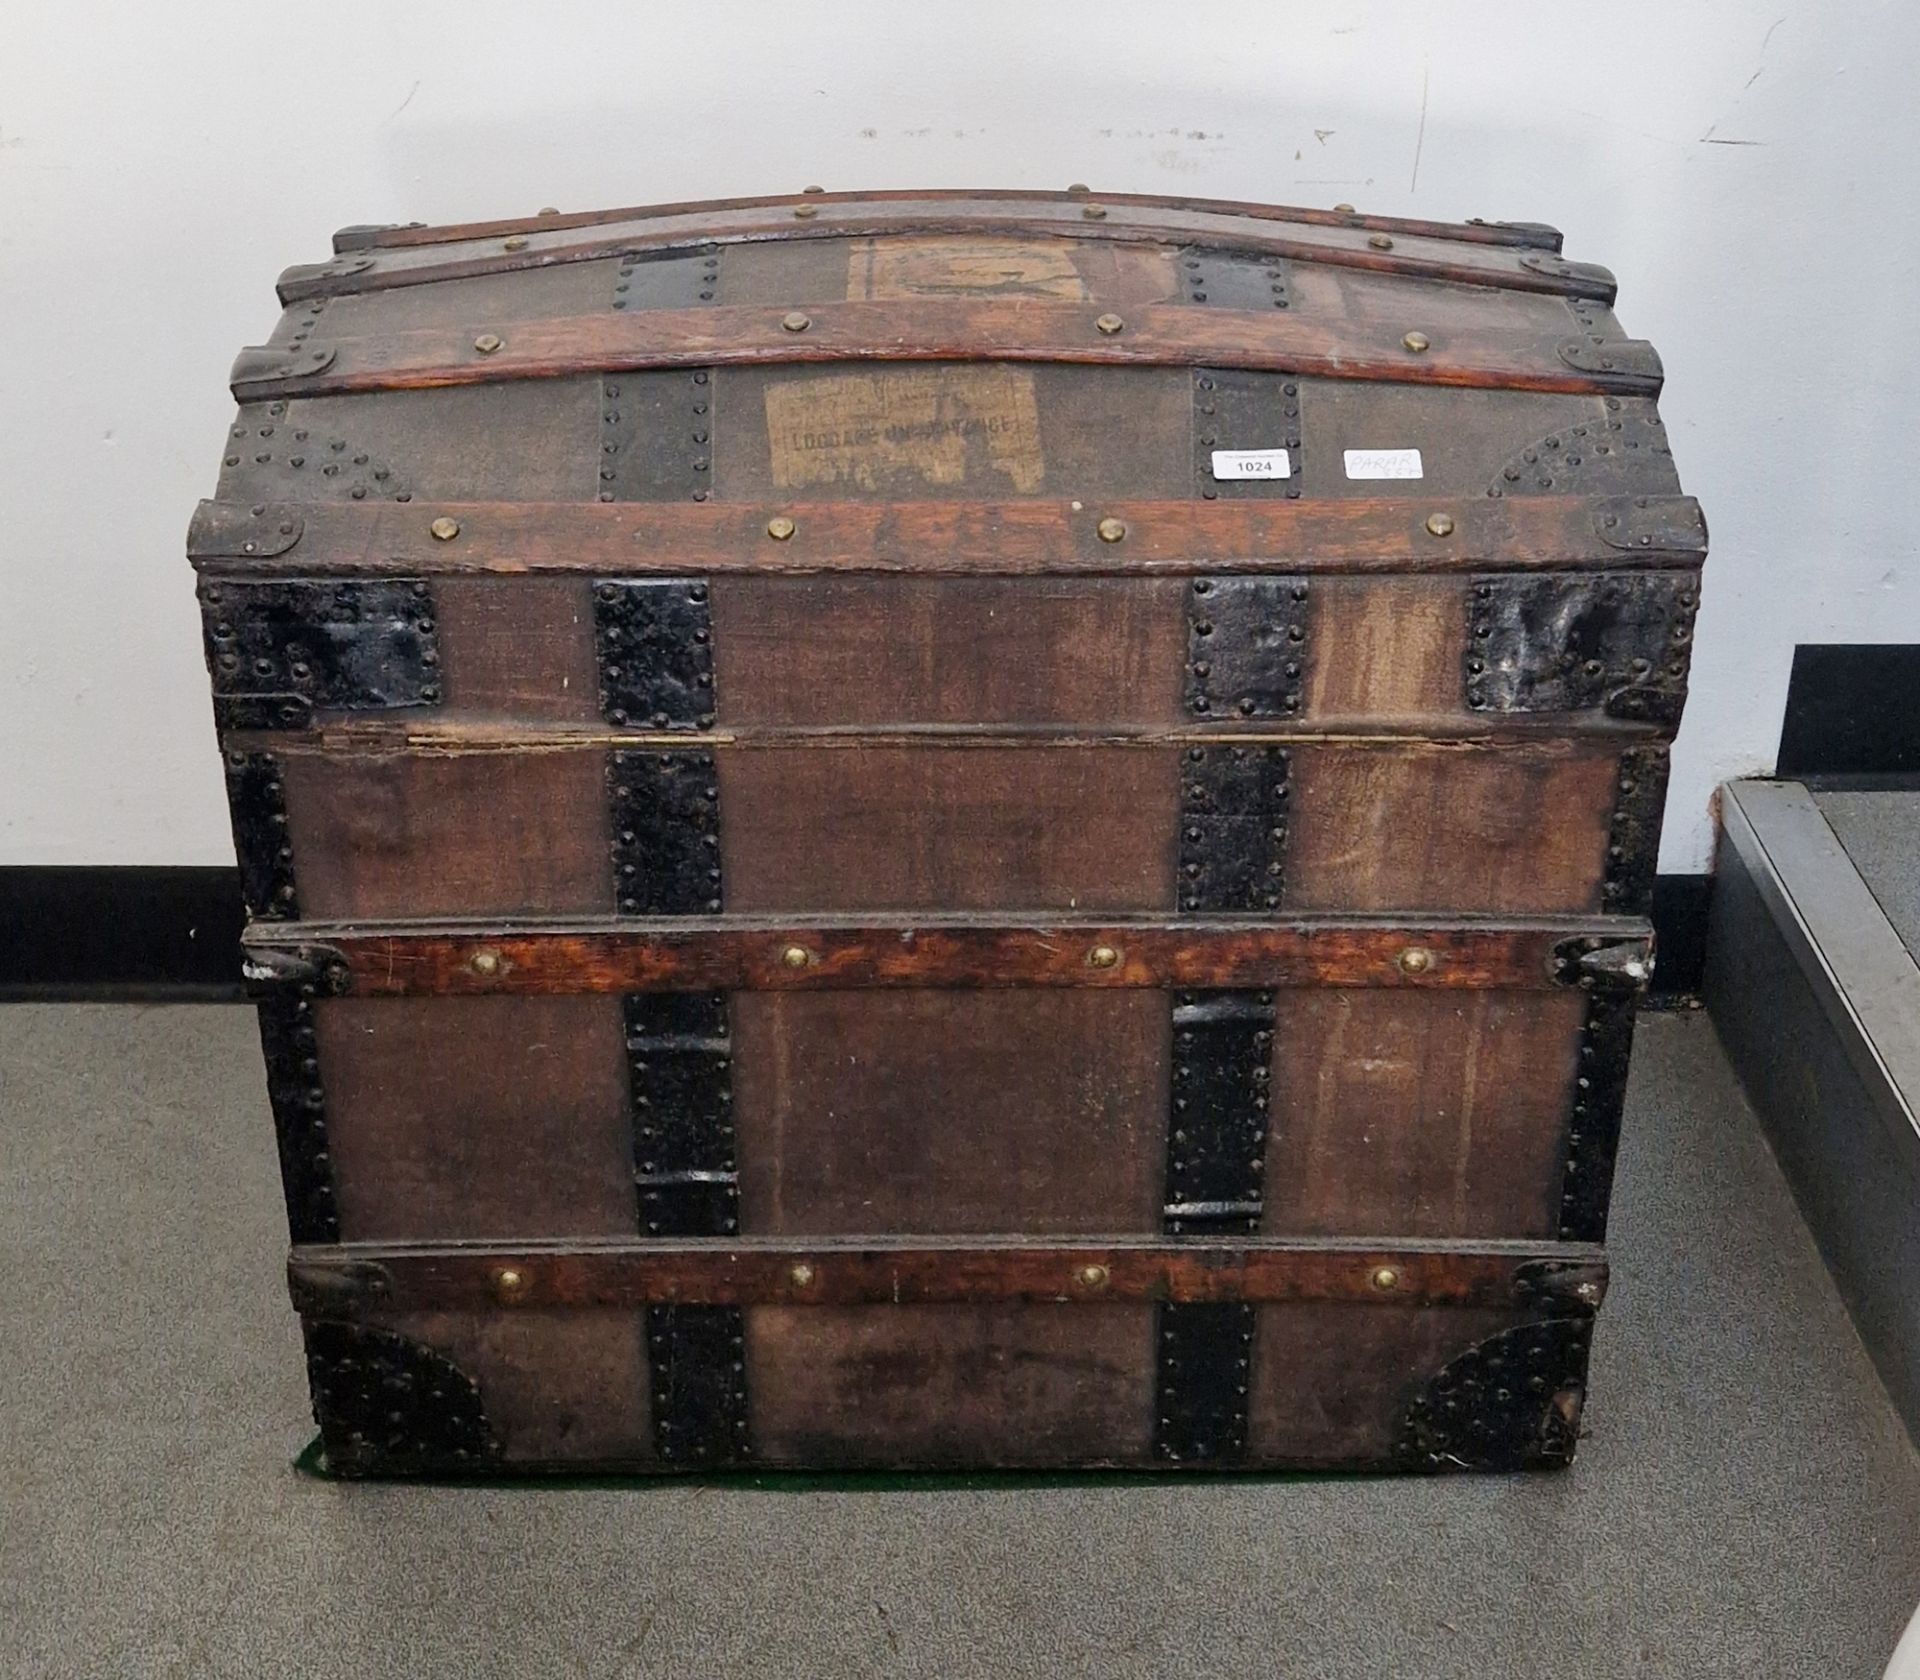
point(1153, 538)
point(1522, 235)
point(687, 953)
point(940, 329)
point(366, 1278)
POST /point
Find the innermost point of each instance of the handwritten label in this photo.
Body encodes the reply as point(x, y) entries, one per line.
point(946, 267)
point(1252, 463)
point(1383, 463)
point(892, 432)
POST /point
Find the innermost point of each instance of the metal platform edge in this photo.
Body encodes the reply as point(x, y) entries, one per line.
point(1817, 1002)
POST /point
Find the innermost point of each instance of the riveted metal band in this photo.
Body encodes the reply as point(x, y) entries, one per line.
point(299, 1103)
point(262, 846)
point(1633, 837)
point(1246, 646)
point(1569, 643)
point(1216, 1162)
point(654, 637)
point(272, 457)
point(656, 436)
point(1593, 1116)
point(1237, 410)
point(282, 649)
point(680, 1075)
point(697, 1364)
point(1235, 279)
point(1233, 827)
point(1614, 358)
point(1623, 454)
point(1205, 1354)
point(1511, 1403)
point(656, 429)
point(386, 1405)
point(665, 813)
point(1217, 1129)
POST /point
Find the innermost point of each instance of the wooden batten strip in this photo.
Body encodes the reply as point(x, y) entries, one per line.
point(1532, 236)
point(348, 1281)
point(1121, 539)
point(945, 329)
point(354, 272)
point(687, 953)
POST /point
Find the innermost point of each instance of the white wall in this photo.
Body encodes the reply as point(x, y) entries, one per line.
point(1745, 168)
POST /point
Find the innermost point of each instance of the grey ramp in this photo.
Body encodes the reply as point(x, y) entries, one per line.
point(1881, 832)
point(1746, 1503)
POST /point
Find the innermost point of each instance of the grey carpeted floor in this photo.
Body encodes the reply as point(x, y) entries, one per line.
point(1745, 1504)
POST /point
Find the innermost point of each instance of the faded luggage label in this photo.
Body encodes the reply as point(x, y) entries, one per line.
point(906, 268)
point(907, 427)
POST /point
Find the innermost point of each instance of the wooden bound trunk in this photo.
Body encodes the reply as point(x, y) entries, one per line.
point(947, 828)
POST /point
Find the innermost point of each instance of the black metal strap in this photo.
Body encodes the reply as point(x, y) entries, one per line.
point(1233, 827)
point(1593, 1120)
point(299, 1103)
point(281, 649)
point(1615, 641)
point(1633, 837)
point(696, 1359)
point(1217, 1132)
point(656, 429)
point(664, 807)
point(262, 846)
point(654, 637)
point(1216, 1164)
point(680, 1069)
point(1205, 1361)
point(1246, 646)
point(1239, 409)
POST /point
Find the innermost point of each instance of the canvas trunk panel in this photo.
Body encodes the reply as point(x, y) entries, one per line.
point(947, 829)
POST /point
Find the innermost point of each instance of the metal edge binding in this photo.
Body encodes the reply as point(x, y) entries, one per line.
point(1601, 281)
point(311, 275)
point(244, 531)
point(256, 801)
point(1632, 358)
point(308, 969)
point(1633, 831)
point(389, 1405)
point(262, 364)
point(1510, 1402)
point(1671, 524)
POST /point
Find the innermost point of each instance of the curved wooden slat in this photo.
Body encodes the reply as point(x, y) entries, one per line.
point(1407, 255)
point(346, 1281)
point(1533, 236)
point(689, 953)
point(975, 538)
point(944, 329)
